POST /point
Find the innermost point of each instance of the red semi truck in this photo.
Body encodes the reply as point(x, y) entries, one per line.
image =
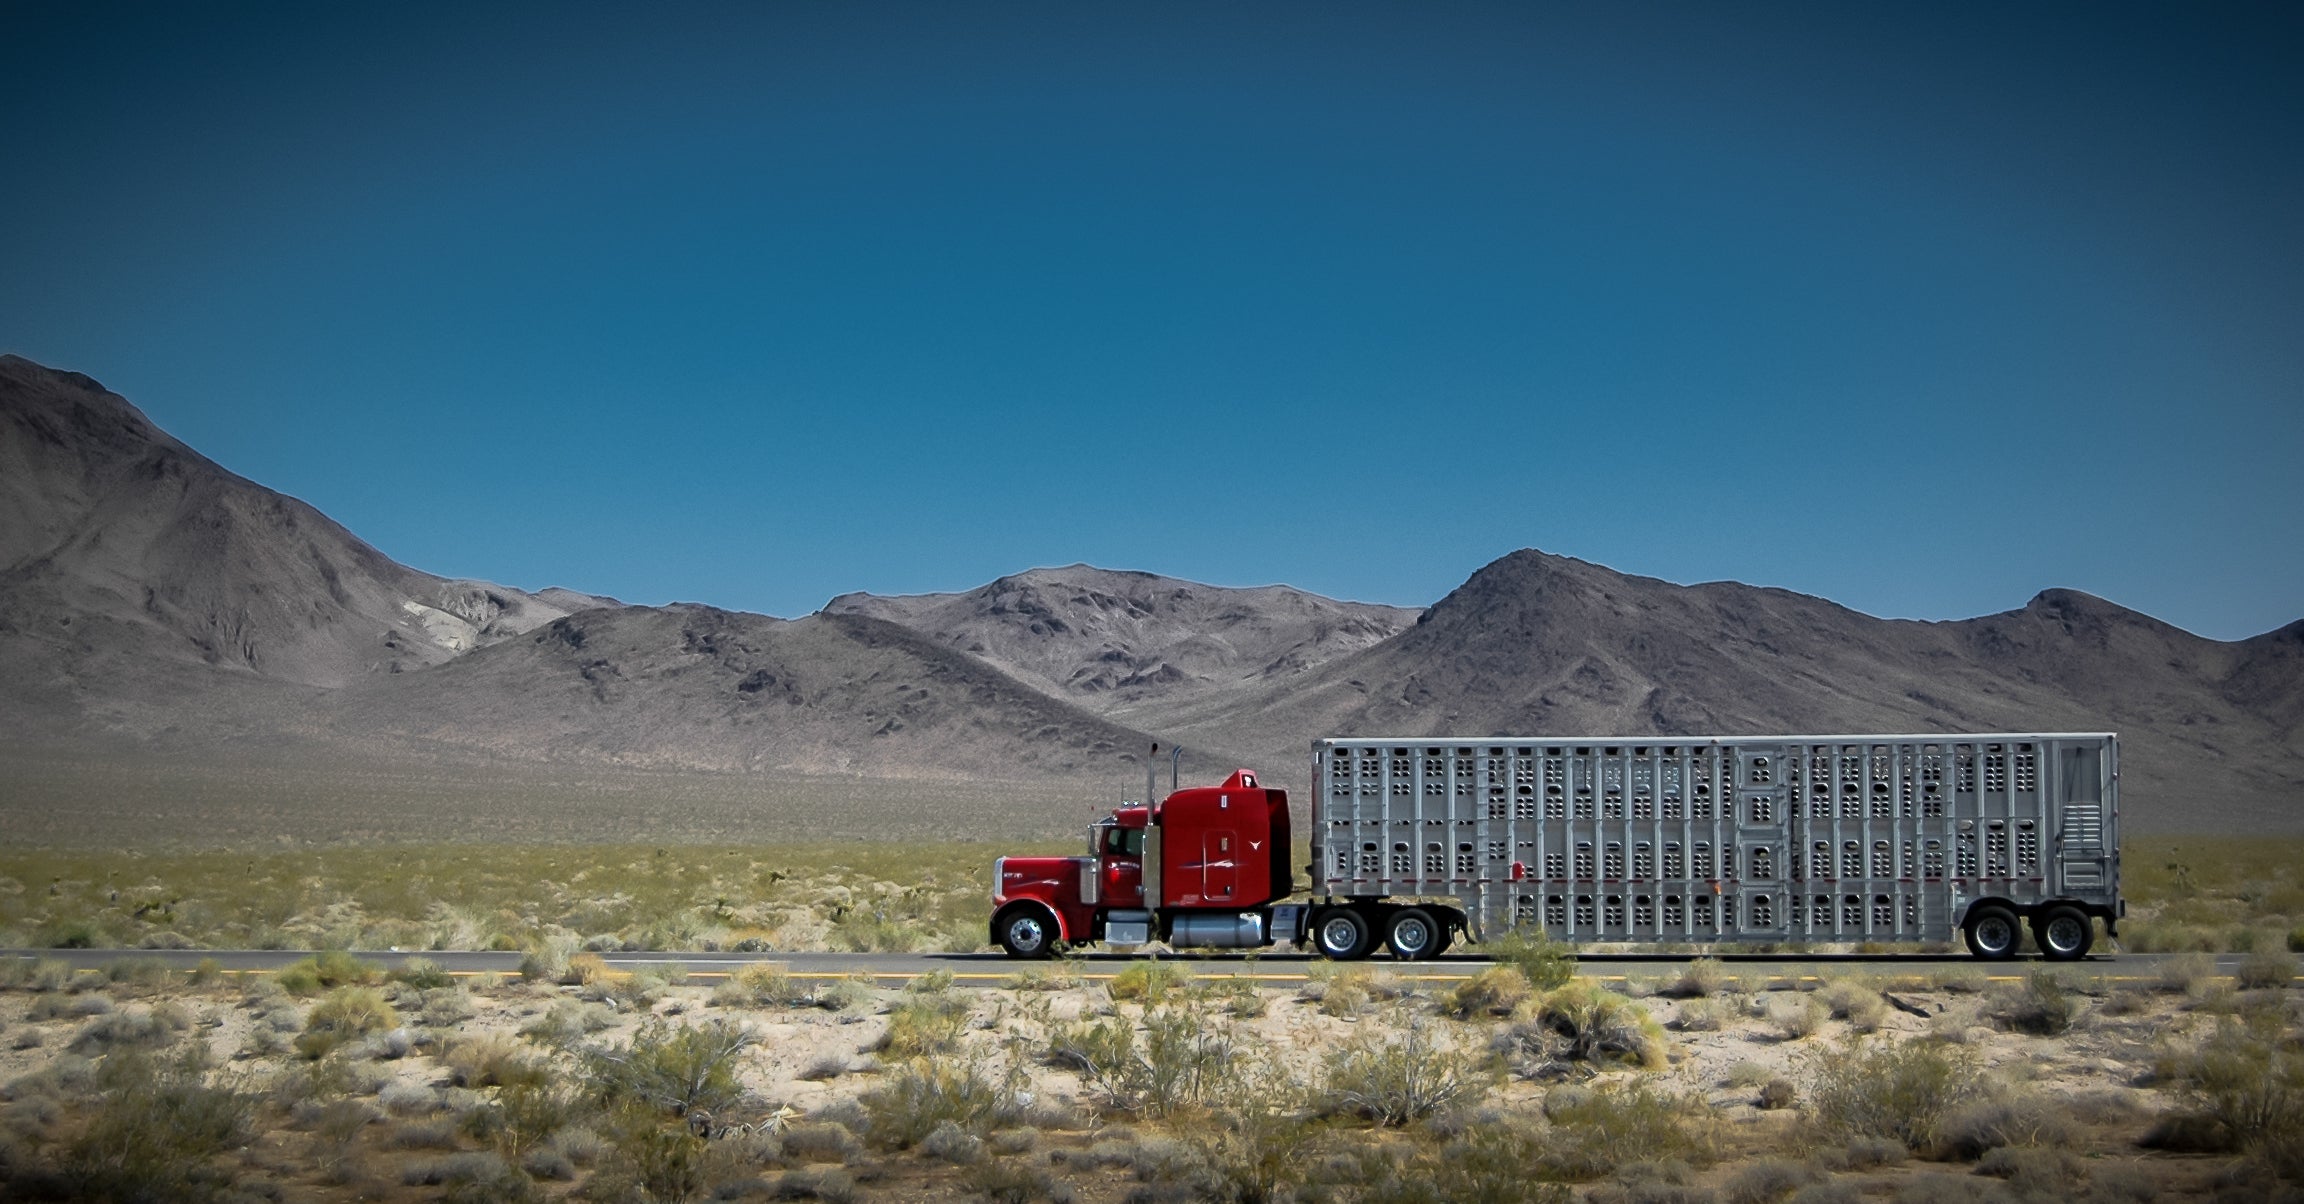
point(1922, 838)
point(1205, 868)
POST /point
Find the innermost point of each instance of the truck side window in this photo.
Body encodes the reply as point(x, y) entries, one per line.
point(1124, 842)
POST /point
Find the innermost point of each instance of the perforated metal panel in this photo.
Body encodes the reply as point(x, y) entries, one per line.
point(1771, 838)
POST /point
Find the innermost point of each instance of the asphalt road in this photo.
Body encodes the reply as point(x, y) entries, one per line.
point(1278, 969)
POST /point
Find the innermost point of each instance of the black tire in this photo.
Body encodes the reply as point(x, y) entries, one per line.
point(1412, 934)
point(2063, 933)
point(1026, 930)
point(1992, 932)
point(1341, 934)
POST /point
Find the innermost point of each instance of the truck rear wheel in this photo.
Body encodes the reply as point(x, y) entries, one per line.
point(2063, 933)
point(1991, 932)
point(1026, 930)
point(1340, 933)
point(1412, 934)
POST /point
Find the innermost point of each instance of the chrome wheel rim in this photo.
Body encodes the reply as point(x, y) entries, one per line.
point(1412, 936)
point(1995, 934)
point(1025, 932)
point(2065, 934)
point(1339, 935)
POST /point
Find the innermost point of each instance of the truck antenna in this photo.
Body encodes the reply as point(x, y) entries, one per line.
point(1175, 765)
point(1151, 778)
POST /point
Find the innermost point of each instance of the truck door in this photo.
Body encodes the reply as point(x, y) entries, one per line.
point(1219, 865)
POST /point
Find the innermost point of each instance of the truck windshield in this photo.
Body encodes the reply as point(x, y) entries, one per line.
point(1124, 842)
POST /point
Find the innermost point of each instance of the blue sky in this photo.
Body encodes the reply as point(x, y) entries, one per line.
point(1922, 308)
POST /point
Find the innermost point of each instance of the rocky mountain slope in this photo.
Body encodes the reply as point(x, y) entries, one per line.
point(152, 603)
point(138, 577)
point(1111, 640)
point(1540, 644)
point(150, 598)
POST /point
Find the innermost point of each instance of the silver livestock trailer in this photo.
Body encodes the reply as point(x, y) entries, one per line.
point(1699, 840)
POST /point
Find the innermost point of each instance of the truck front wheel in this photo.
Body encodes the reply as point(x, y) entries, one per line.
point(1026, 930)
point(1341, 934)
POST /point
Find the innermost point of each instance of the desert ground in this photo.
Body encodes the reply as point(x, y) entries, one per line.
point(344, 1079)
point(387, 1078)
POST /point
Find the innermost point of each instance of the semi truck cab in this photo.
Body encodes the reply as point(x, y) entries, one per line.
point(1200, 867)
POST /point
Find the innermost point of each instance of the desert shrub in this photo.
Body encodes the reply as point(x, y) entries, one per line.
point(2247, 1084)
point(1799, 1018)
point(159, 1131)
point(584, 970)
point(139, 971)
point(924, 1093)
point(821, 1142)
point(2187, 974)
point(569, 1020)
point(1699, 979)
point(1868, 1153)
point(1254, 1148)
point(1546, 964)
point(1746, 1074)
point(2043, 1007)
point(471, 1177)
point(1960, 980)
point(1148, 981)
point(2050, 1174)
point(1397, 1077)
point(1063, 976)
point(924, 1024)
point(1580, 1022)
point(1599, 1129)
point(1706, 1015)
point(1777, 1095)
point(1492, 992)
point(545, 963)
point(824, 1069)
point(2266, 970)
point(522, 1116)
point(832, 1185)
point(448, 1006)
point(141, 1029)
point(1894, 1089)
point(408, 1099)
point(672, 1067)
point(1008, 1183)
point(1993, 1121)
point(1858, 1004)
point(422, 973)
point(1491, 1163)
point(775, 987)
point(1103, 1052)
point(1768, 1180)
point(493, 1060)
point(1185, 1058)
point(346, 1014)
point(948, 1142)
point(327, 971)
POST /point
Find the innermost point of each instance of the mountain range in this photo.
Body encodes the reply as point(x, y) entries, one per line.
point(153, 604)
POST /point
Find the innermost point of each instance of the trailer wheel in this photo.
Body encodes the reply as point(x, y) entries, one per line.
point(2063, 933)
point(1991, 932)
point(1026, 930)
point(1412, 934)
point(1341, 934)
